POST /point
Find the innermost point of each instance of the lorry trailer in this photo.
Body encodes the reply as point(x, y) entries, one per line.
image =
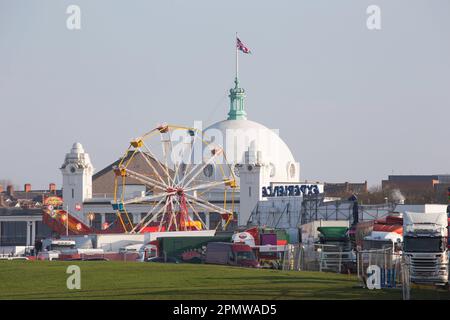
point(185, 249)
point(234, 254)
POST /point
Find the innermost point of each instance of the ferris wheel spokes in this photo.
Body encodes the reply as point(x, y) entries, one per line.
point(147, 198)
point(176, 192)
point(197, 215)
point(215, 153)
point(192, 134)
point(152, 166)
point(163, 169)
point(145, 180)
point(155, 216)
point(191, 162)
point(165, 147)
point(208, 205)
point(173, 218)
point(162, 218)
point(208, 185)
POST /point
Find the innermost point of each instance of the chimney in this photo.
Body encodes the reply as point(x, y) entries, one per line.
point(52, 188)
point(27, 187)
point(10, 190)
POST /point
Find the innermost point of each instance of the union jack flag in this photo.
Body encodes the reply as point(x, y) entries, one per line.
point(242, 46)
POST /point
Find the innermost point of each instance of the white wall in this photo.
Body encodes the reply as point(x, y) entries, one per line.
point(425, 208)
point(113, 242)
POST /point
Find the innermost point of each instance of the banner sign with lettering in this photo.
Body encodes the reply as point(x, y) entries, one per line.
point(291, 190)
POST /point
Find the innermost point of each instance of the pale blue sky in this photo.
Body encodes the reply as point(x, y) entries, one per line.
point(352, 104)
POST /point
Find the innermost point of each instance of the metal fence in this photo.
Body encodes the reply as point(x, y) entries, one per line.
point(395, 272)
point(333, 258)
point(292, 258)
point(317, 257)
point(406, 281)
point(389, 262)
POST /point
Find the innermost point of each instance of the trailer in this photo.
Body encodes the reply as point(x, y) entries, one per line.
point(186, 249)
point(114, 242)
point(234, 254)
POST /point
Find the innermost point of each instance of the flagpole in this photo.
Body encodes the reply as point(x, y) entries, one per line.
point(237, 57)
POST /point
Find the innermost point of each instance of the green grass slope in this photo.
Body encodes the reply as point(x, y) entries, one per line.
point(119, 280)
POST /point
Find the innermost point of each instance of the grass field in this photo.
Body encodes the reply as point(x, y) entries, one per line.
point(119, 280)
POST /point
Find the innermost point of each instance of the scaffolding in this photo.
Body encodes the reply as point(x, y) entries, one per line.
point(291, 212)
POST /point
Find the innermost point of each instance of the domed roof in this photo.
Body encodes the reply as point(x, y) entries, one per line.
point(77, 148)
point(246, 141)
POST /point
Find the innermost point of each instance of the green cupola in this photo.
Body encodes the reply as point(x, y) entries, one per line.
point(237, 105)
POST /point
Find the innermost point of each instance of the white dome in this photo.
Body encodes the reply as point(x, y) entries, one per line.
point(261, 144)
point(77, 148)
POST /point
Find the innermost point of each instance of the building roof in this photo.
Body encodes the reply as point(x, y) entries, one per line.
point(412, 177)
point(345, 188)
point(241, 136)
point(19, 212)
point(35, 195)
point(103, 181)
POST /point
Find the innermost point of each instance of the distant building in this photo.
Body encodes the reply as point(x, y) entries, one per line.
point(432, 186)
point(21, 215)
point(442, 192)
point(26, 198)
point(407, 183)
point(21, 227)
point(345, 188)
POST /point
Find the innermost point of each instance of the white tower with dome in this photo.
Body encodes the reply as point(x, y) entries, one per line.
point(77, 171)
point(259, 156)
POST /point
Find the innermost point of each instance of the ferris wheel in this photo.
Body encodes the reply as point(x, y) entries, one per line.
point(178, 170)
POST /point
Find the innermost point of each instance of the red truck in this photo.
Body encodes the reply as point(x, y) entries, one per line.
point(234, 254)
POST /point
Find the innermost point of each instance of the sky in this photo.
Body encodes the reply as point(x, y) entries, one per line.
point(352, 104)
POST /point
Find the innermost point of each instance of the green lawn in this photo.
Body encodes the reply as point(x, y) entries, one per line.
point(119, 280)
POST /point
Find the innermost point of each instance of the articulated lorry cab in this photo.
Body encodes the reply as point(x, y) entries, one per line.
point(383, 240)
point(425, 246)
point(269, 245)
point(235, 254)
point(387, 233)
point(383, 233)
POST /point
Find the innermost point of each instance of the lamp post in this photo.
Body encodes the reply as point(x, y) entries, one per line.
point(91, 217)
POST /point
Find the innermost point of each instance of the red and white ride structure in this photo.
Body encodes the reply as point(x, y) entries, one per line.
point(176, 192)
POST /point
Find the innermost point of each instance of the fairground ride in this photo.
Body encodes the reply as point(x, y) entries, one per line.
point(176, 190)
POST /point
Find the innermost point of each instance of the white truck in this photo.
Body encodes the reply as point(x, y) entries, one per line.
point(52, 248)
point(425, 246)
point(383, 240)
point(145, 251)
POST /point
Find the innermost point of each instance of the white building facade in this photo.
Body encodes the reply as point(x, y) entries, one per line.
point(77, 171)
point(258, 156)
